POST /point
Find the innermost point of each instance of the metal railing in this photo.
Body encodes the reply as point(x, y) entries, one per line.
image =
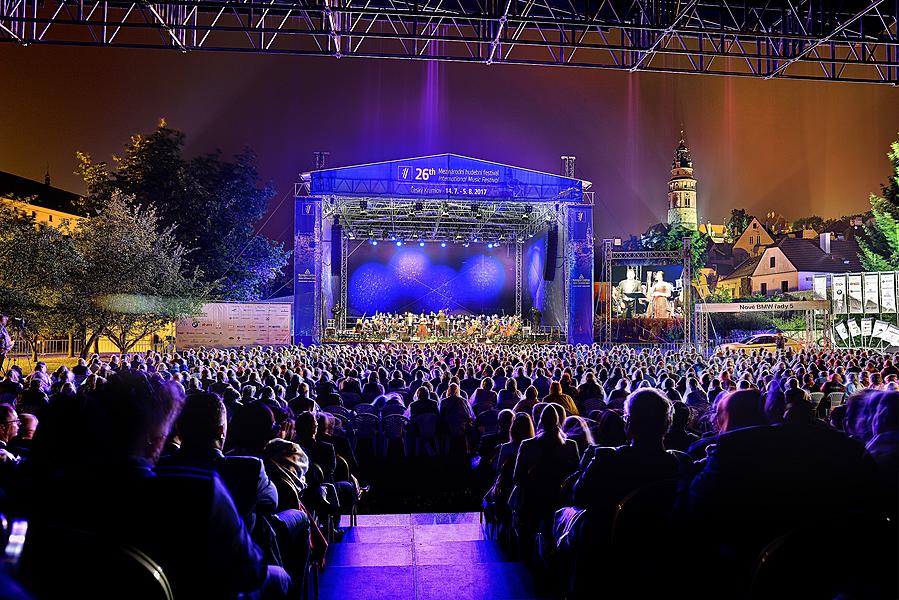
point(46, 347)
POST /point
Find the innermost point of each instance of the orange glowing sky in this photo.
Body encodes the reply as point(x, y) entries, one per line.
point(795, 147)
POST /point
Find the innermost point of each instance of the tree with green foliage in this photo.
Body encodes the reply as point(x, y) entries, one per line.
point(35, 261)
point(667, 237)
point(879, 242)
point(736, 223)
point(214, 204)
point(131, 278)
point(813, 222)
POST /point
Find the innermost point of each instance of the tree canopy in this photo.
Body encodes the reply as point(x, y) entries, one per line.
point(214, 204)
point(879, 242)
point(736, 223)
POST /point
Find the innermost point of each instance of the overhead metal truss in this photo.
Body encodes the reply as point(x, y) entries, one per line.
point(784, 39)
point(502, 222)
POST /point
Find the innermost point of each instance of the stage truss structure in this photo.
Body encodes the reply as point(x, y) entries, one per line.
point(454, 222)
point(394, 220)
point(765, 39)
point(612, 257)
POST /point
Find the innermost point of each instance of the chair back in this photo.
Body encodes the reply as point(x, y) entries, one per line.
point(394, 426)
point(365, 409)
point(392, 409)
point(836, 398)
point(84, 563)
point(367, 425)
point(816, 398)
point(338, 411)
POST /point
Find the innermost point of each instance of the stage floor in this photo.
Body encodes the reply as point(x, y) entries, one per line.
point(424, 556)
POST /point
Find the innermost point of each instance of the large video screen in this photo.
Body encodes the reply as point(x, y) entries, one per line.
point(647, 291)
point(390, 278)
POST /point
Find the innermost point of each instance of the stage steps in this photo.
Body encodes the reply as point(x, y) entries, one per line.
point(423, 556)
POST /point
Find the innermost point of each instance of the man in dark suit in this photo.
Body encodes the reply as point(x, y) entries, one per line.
point(202, 428)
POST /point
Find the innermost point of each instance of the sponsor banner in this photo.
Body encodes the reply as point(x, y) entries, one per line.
point(838, 288)
point(842, 331)
point(854, 329)
point(892, 335)
point(888, 292)
point(753, 307)
point(819, 287)
point(872, 294)
point(867, 326)
point(879, 329)
point(854, 294)
point(232, 324)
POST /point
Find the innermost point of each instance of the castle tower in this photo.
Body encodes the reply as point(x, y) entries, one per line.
point(682, 189)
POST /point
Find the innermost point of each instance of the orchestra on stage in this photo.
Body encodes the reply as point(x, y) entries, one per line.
point(440, 326)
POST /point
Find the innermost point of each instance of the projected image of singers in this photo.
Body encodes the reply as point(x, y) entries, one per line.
point(633, 294)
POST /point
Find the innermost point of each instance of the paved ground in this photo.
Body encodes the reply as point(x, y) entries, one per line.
point(425, 556)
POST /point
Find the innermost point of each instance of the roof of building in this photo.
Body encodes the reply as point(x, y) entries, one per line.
point(745, 268)
point(38, 193)
point(807, 255)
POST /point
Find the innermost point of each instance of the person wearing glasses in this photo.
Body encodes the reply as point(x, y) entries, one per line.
point(9, 428)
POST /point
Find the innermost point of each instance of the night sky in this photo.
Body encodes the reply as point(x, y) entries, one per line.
point(796, 147)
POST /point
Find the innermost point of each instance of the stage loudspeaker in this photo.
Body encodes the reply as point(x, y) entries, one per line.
point(336, 244)
point(552, 251)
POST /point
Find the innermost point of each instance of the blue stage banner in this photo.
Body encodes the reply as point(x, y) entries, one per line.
point(580, 262)
point(448, 176)
point(306, 248)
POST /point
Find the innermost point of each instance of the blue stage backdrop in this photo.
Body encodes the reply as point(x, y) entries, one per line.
point(388, 278)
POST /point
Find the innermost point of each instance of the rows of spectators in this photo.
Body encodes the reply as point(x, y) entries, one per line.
point(231, 468)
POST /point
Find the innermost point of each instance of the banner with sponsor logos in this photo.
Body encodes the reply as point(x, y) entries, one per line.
point(872, 293)
point(232, 324)
point(867, 327)
point(888, 292)
point(854, 329)
point(819, 287)
point(841, 330)
point(838, 283)
point(879, 329)
point(854, 294)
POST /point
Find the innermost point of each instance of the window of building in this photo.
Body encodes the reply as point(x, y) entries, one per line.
point(764, 289)
point(34, 214)
point(755, 225)
point(50, 218)
point(771, 262)
point(784, 286)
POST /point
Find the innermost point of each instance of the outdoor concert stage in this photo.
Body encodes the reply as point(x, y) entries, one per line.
point(442, 233)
